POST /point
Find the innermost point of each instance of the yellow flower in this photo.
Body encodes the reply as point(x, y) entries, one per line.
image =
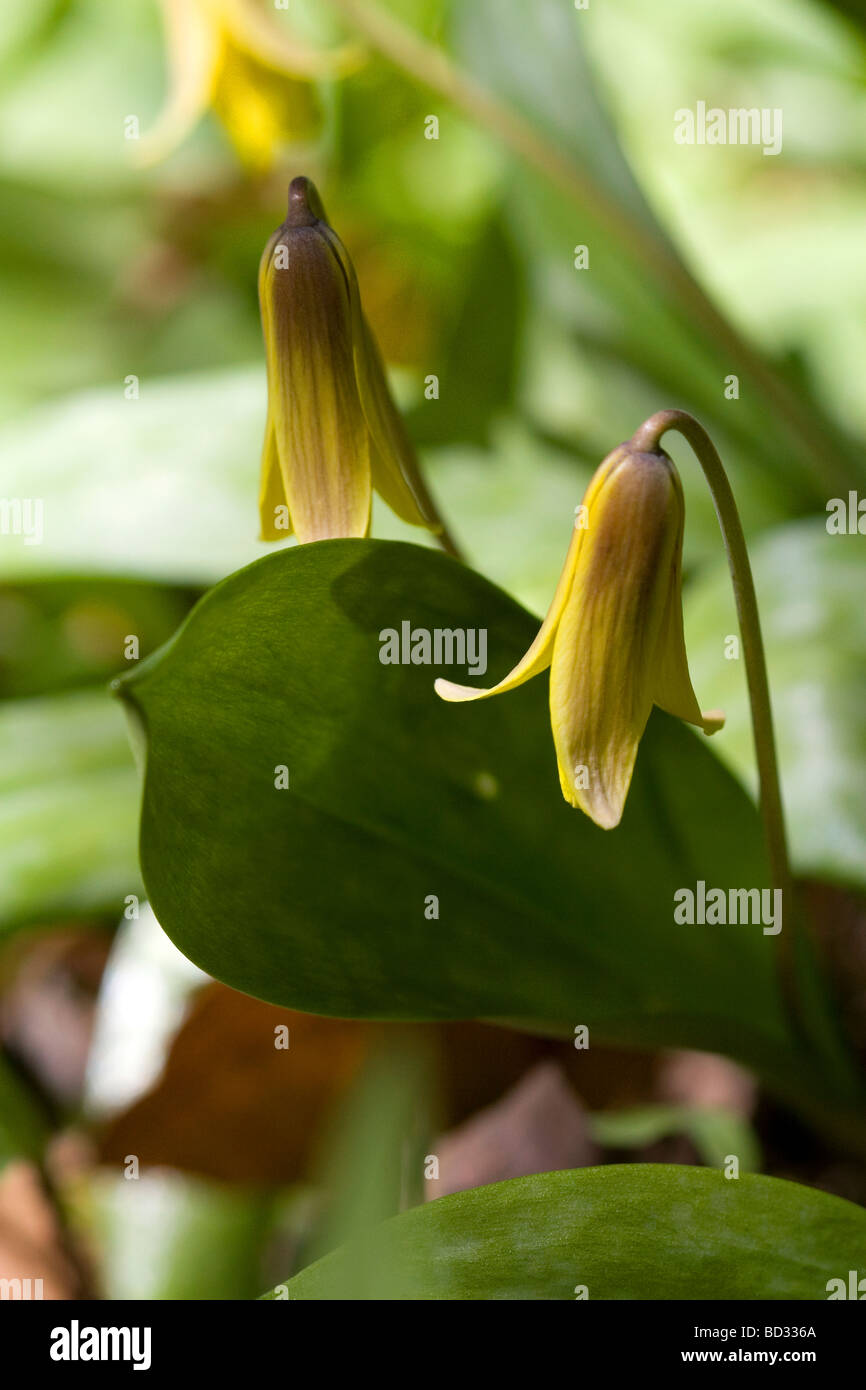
point(228, 55)
point(614, 634)
point(333, 432)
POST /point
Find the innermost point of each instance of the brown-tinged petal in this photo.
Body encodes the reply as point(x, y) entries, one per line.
point(601, 680)
point(396, 473)
point(320, 431)
point(672, 684)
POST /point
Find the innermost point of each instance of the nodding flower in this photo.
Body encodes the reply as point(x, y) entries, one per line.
point(613, 636)
point(333, 433)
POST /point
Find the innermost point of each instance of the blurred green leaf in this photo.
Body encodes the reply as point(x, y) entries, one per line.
point(637, 302)
point(23, 1125)
point(737, 214)
point(620, 1232)
point(164, 1235)
point(67, 809)
point(72, 632)
point(111, 53)
point(374, 1154)
point(165, 488)
point(715, 1133)
point(173, 496)
point(477, 363)
point(314, 897)
point(157, 487)
point(810, 593)
point(25, 26)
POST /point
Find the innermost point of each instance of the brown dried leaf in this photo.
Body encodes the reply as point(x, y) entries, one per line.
point(538, 1126)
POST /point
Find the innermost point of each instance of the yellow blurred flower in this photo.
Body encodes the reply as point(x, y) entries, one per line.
point(613, 636)
point(333, 432)
point(229, 56)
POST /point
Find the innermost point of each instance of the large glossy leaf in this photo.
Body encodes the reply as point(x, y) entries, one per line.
point(810, 591)
point(627, 1231)
point(314, 896)
point(67, 809)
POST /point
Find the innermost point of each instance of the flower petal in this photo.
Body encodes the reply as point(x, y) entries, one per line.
point(194, 46)
point(272, 494)
point(601, 680)
point(321, 435)
point(672, 685)
point(261, 110)
point(540, 654)
point(396, 474)
point(276, 48)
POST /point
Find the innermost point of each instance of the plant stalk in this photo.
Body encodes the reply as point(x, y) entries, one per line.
point(647, 439)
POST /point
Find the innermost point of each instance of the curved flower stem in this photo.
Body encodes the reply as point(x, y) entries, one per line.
point(646, 439)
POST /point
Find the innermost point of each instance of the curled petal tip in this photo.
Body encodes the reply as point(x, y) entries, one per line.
point(712, 720)
point(605, 817)
point(454, 693)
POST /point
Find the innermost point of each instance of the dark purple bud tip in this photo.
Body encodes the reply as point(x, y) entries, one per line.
point(305, 205)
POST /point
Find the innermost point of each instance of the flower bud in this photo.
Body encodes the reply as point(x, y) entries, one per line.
point(613, 636)
point(333, 431)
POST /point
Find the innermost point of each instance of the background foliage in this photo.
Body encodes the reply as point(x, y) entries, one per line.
point(699, 267)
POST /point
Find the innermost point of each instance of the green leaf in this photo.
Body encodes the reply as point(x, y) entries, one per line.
point(810, 593)
point(165, 1235)
point(61, 633)
point(715, 1132)
point(487, 331)
point(114, 56)
point(174, 497)
point(314, 897)
point(626, 1231)
point(67, 809)
point(23, 1123)
point(638, 303)
point(167, 499)
point(374, 1153)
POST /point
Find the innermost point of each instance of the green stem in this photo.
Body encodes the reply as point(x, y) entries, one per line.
point(649, 246)
point(647, 440)
point(448, 544)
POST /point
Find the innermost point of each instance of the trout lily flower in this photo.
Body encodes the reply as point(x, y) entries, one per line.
point(613, 636)
point(253, 72)
point(332, 432)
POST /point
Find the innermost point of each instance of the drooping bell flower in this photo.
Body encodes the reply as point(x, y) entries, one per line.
point(613, 636)
point(255, 73)
point(333, 432)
